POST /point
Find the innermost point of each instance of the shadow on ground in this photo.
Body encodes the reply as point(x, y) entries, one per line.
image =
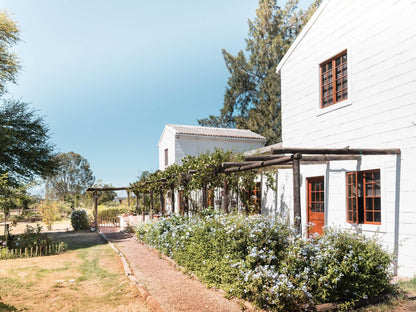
point(78, 239)
point(4, 307)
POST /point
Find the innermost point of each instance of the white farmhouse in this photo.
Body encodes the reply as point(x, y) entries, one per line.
point(349, 80)
point(178, 141)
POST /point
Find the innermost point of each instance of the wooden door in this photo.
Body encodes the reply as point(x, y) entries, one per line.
point(316, 204)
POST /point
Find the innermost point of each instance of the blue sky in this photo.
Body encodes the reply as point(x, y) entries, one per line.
point(108, 75)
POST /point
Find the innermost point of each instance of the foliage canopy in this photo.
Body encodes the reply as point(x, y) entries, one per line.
point(252, 96)
point(25, 150)
point(9, 62)
point(72, 179)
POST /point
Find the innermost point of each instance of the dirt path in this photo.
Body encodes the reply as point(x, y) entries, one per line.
point(172, 289)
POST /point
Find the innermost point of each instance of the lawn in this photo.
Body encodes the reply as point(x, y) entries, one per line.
point(88, 277)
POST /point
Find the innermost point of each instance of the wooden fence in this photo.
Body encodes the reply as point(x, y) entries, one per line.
point(53, 249)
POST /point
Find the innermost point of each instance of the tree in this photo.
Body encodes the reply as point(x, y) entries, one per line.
point(72, 179)
point(50, 212)
point(9, 63)
point(102, 196)
point(252, 96)
point(25, 150)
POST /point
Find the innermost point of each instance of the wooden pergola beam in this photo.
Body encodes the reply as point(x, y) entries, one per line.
point(287, 160)
point(105, 189)
point(261, 157)
point(235, 164)
point(260, 164)
point(338, 151)
point(325, 158)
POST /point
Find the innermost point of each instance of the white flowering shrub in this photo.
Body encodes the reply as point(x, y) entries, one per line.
point(263, 261)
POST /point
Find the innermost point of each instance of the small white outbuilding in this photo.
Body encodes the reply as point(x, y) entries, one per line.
point(178, 141)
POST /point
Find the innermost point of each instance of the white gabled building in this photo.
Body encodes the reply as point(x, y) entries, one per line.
point(178, 141)
point(349, 80)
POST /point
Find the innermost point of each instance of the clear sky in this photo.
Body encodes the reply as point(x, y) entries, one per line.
point(108, 75)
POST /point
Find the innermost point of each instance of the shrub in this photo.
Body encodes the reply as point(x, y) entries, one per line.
point(105, 212)
point(261, 260)
point(79, 220)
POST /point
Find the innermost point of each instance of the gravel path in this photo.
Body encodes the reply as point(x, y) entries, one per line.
point(172, 289)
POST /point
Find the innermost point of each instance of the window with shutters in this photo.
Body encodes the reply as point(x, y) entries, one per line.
point(334, 80)
point(364, 197)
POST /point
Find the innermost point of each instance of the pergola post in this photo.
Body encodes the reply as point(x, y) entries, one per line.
point(204, 197)
point(225, 193)
point(95, 202)
point(144, 206)
point(151, 204)
point(296, 192)
point(128, 198)
point(172, 189)
point(162, 202)
point(137, 203)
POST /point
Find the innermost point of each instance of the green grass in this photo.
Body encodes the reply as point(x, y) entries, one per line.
point(409, 286)
point(88, 274)
point(90, 268)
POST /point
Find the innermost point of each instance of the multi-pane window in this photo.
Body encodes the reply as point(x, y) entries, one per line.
point(364, 197)
point(252, 197)
point(316, 195)
point(334, 80)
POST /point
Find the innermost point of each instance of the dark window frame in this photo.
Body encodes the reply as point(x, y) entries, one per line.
point(334, 80)
point(166, 157)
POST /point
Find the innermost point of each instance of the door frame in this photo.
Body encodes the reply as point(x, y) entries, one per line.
point(308, 182)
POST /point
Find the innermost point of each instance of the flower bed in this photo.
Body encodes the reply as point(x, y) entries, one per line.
point(263, 261)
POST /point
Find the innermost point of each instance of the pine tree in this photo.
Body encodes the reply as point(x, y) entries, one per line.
point(252, 96)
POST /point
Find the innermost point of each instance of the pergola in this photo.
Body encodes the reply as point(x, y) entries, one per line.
point(95, 191)
point(281, 157)
point(302, 156)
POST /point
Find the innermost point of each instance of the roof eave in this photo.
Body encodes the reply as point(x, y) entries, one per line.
point(302, 34)
point(221, 137)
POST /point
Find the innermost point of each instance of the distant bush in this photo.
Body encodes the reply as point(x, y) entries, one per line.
point(79, 220)
point(261, 260)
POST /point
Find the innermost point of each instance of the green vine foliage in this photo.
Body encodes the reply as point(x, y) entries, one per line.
point(270, 179)
point(197, 172)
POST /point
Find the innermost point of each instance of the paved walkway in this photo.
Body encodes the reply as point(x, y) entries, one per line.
point(172, 289)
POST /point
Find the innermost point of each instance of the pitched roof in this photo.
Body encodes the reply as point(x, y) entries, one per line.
point(217, 132)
